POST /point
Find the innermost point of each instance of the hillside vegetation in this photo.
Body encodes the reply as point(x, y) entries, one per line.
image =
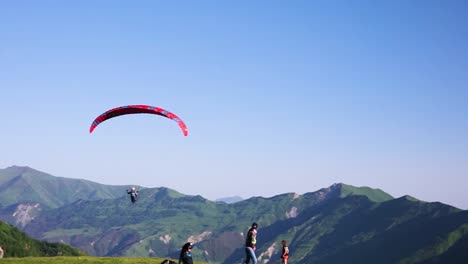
point(17, 244)
point(333, 225)
point(24, 184)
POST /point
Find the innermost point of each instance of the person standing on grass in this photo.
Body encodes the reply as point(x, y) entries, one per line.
point(185, 256)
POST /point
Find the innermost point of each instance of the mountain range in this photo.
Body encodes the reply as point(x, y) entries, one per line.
point(337, 224)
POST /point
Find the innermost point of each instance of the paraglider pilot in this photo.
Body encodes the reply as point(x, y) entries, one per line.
point(133, 194)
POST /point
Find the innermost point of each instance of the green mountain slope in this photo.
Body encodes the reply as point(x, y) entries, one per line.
point(162, 219)
point(375, 195)
point(327, 226)
point(392, 232)
point(17, 244)
point(338, 224)
point(24, 184)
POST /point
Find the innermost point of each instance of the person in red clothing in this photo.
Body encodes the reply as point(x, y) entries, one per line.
point(285, 254)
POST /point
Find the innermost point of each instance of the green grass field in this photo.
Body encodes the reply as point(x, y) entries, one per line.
point(88, 260)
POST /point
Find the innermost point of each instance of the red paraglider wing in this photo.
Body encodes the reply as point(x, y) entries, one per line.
point(138, 109)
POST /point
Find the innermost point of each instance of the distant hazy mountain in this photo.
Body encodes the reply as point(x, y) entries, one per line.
point(17, 244)
point(230, 200)
point(338, 224)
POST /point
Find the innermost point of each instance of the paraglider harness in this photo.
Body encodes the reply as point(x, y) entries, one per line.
point(133, 195)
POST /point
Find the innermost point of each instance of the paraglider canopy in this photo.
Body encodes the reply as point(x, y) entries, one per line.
point(138, 109)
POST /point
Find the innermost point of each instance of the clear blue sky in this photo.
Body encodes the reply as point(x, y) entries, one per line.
point(278, 96)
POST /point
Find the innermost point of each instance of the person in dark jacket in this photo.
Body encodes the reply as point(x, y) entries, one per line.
point(133, 194)
point(185, 256)
point(250, 245)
